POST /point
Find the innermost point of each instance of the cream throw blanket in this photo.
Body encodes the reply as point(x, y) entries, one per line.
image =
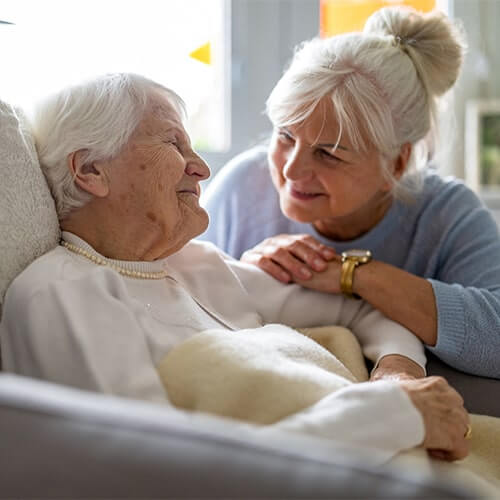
point(262, 375)
point(259, 375)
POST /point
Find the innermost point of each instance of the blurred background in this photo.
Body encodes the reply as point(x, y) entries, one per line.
point(224, 56)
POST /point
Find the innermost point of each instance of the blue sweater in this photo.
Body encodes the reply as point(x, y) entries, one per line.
point(446, 236)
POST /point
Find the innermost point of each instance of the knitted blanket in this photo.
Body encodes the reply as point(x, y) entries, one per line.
point(259, 375)
point(263, 375)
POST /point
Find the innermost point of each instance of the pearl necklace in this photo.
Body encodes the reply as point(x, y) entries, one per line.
point(103, 262)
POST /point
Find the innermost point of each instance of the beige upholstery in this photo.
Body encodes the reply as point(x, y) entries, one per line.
point(28, 219)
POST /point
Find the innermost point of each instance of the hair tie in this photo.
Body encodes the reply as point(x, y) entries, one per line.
point(404, 41)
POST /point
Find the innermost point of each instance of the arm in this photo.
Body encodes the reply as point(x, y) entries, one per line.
point(287, 257)
point(389, 417)
point(453, 306)
point(456, 310)
point(82, 333)
point(299, 307)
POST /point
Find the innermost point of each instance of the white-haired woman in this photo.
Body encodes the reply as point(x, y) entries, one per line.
point(352, 116)
point(103, 310)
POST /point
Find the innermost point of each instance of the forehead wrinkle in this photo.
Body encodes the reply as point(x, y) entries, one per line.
point(153, 128)
point(162, 113)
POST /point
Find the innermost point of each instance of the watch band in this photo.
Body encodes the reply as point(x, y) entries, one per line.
point(347, 278)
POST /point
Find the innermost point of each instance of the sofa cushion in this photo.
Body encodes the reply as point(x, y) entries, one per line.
point(28, 219)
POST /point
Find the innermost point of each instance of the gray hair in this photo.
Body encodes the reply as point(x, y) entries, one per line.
point(97, 116)
point(384, 84)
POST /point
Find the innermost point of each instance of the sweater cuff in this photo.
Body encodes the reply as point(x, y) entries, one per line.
point(451, 320)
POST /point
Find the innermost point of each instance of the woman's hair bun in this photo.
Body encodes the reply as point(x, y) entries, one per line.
point(435, 43)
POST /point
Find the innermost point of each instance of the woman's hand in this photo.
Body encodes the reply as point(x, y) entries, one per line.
point(290, 257)
point(445, 418)
point(397, 367)
point(304, 260)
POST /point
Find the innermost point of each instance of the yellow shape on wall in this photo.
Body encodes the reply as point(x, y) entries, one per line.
point(342, 16)
point(202, 53)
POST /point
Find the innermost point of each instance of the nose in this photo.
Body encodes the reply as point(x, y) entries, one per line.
point(197, 167)
point(296, 165)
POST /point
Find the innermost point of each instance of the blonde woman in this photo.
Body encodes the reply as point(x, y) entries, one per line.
point(343, 199)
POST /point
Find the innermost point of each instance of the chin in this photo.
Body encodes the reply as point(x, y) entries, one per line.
point(293, 213)
point(201, 225)
point(204, 226)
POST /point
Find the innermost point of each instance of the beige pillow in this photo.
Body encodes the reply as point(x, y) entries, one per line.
point(28, 219)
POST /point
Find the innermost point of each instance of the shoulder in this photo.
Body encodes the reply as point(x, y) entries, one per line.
point(42, 271)
point(198, 255)
point(248, 167)
point(446, 199)
point(243, 204)
point(445, 190)
point(203, 261)
point(55, 270)
point(255, 157)
point(447, 206)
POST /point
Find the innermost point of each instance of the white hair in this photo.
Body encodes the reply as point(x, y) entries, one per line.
point(384, 84)
point(98, 117)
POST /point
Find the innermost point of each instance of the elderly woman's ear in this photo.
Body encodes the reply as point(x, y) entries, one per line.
point(89, 176)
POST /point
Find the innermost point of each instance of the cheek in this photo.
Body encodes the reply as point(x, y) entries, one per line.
point(276, 163)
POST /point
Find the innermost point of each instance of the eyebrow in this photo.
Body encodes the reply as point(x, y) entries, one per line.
point(328, 146)
point(331, 146)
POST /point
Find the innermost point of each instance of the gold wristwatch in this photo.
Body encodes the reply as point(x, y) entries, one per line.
point(351, 259)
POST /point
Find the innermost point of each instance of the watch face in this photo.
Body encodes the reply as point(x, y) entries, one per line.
point(357, 253)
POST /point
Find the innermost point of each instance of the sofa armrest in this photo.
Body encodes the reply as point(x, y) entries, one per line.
point(480, 393)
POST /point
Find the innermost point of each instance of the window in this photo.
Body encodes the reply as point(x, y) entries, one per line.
point(341, 16)
point(182, 44)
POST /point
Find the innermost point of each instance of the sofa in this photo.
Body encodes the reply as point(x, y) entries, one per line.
point(65, 443)
point(58, 442)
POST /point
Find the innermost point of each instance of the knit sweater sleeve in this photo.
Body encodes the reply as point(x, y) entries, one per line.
point(466, 284)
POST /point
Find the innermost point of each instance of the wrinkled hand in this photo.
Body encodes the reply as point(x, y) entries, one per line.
point(397, 367)
point(445, 417)
point(298, 258)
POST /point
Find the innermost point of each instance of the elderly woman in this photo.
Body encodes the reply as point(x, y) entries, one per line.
point(348, 208)
point(127, 284)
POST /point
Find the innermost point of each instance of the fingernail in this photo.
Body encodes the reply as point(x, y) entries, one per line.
point(285, 277)
point(305, 273)
point(328, 253)
point(319, 264)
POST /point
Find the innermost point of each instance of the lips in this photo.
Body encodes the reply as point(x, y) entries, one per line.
point(303, 194)
point(194, 191)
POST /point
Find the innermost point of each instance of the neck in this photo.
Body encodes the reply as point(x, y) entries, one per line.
point(120, 239)
point(354, 225)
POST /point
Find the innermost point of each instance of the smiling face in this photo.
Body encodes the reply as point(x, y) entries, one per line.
point(154, 183)
point(341, 191)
